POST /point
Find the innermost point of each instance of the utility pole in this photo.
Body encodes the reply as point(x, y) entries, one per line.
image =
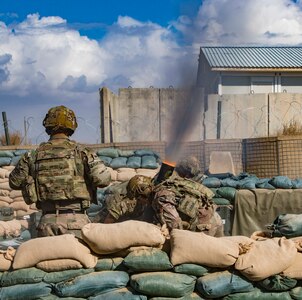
point(5, 128)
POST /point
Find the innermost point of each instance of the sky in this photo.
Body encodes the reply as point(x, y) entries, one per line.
point(61, 52)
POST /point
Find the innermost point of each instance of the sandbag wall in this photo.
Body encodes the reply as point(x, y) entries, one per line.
point(137, 260)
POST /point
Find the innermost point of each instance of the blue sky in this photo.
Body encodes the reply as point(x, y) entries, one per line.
point(55, 52)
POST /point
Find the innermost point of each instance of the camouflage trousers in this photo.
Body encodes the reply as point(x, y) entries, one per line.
point(58, 224)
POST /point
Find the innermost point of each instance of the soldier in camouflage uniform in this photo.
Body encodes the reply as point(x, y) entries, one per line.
point(182, 202)
point(60, 176)
point(129, 201)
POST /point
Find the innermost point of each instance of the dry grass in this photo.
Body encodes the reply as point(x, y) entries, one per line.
point(291, 128)
point(15, 138)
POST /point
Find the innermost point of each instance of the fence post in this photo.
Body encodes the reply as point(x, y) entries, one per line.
point(5, 128)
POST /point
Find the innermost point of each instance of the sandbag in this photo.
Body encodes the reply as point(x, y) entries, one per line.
point(143, 152)
point(107, 264)
point(6, 199)
point(6, 153)
point(92, 284)
point(211, 182)
point(149, 162)
point(2, 173)
point(149, 259)
point(19, 205)
point(105, 159)
point(264, 258)
point(220, 284)
point(202, 249)
point(288, 225)
point(227, 193)
point(14, 161)
point(53, 247)
point(20, 152)
point(191, 269)
point(4, 185)
point(120, 294)
point(6, 258)
point(28, 275)
point(54, 265)
point(297, 183)
point(257, 294)
point(263, 183)
point(15, 193)
point(221, 201)
point(60, 276)
point(296, 293)
point(193, 296)
point(28, 291)
point(5, 161)
point(295, 269)
point(147, 172)
point(281, 182)
point(277, 283)
point(163, 284)
point(126, 153)
point(118, 162)
point(125, 174)
point(111, 238)
point(134, 162)
point(111, 152)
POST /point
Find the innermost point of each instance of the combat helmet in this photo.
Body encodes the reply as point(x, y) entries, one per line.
point(139, 185)
point(60, 119)
point(188, 167)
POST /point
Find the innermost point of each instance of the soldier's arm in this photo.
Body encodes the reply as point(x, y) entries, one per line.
point(96, 170)
point(19, 175)
point(164, 204)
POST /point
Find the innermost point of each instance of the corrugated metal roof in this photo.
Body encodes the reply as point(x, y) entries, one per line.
point(253, 57)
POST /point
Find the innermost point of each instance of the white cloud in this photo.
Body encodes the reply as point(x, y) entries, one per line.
point(237, 22)
point(45, 63)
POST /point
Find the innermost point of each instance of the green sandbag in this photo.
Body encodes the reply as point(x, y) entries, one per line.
point(191, 269)
point(143, 152)
point(163, 284)
point(296, 293)
point(126, 153)
point(5, 161)
point(118, 162)
point(106, 159)
point(221, 201)
point(219, 284)
point(257, 294)
point(55, 297)
point(92, 284)
point(27, 275)
point(134, 162)
point(107, 264)
point(6, 153)
point(111, 152)
point(277, 283)
point(120, 294)
point(193, 296)
point(211, 182)
point(27, 291)
point(55, 277)
point(227, 193)
point(149, 162)
point(150, 259)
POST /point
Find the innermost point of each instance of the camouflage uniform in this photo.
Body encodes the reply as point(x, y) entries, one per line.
point(61, 178)
point(125, 203)
point(183, 203)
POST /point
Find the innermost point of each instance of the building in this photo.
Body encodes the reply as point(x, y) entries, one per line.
point(248, 70)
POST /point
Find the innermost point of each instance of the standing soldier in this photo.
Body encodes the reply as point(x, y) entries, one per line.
point(181, 202)
point(60, 176)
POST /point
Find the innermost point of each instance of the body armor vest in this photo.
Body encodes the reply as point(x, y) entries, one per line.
point(59, 172)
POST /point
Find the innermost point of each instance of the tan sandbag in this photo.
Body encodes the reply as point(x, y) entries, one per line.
point(6, 199)
point(8, 168)
point(53, 247)
point(202, 249)
point(2, 173)
point(113, 174)
point(125, 174)
point(10, 228)
point(295, 269)
point(4, 204)
point(6, 258)
point(55, 265)
point(5, 186)
point(239, 239)
point(15, 193)
point(25, 223)
point(22, 213)
point(4, 193)
point(18, 199)
point(147, 172)
point(265, 258)
point(19, 205)
point(2, 180)
point(261, 235)
point(111, 238)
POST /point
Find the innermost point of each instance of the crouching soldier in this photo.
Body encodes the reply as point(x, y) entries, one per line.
point(183, 203)
point(60, 176)
point(130, 200)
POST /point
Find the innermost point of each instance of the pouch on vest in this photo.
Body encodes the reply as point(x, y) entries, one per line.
point(29, 192)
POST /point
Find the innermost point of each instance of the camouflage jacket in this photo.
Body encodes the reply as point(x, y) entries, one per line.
point(183, 203)
point(59, 170)
point(121, 207)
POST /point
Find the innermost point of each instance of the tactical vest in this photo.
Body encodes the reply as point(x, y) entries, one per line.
point(191, 197)
point(59, 172)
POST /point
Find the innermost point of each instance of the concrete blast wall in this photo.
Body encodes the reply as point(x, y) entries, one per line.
point(150, 114)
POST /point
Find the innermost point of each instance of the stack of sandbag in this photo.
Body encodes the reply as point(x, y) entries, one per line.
point(124, 164)
point(137, 260)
